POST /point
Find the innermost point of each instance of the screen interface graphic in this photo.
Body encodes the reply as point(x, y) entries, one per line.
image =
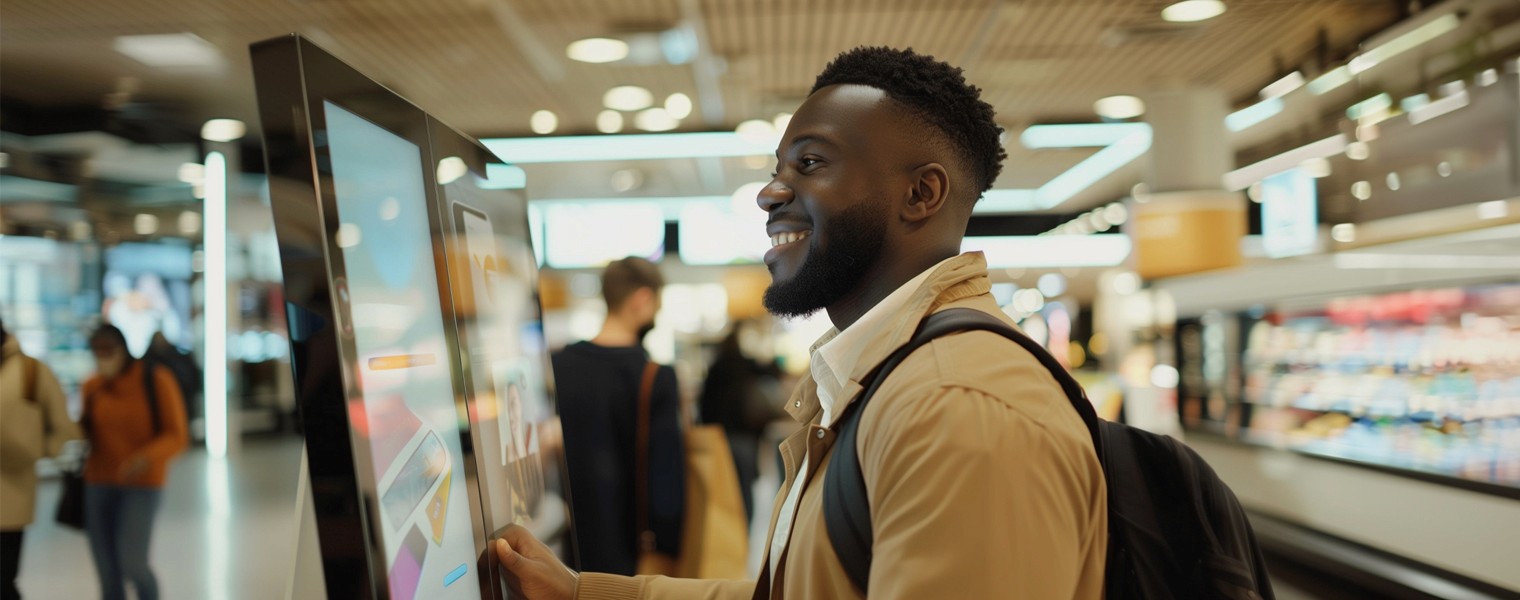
point(518, 433)
point(407, 417)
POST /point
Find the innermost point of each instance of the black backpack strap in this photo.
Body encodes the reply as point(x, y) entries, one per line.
point(846, 507)
point(150, 387)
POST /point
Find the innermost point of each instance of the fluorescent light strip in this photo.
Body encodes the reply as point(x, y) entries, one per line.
point(1281, 87)
point(591, 148)
point(215, 373)
point(1094, 168)
point(1438, 108)
point(504, 177)
point(1332, 79)
point(1350, 260)
point(1254, 114)
point(671, 207)
point(1243, 177)
point(1008, 201)
point(1370, 107)
point(1419, 35)
point(1050, 251)
point(1079, 135)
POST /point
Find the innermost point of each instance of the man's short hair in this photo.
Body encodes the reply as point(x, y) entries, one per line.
point(623, 277)
point(935, 93)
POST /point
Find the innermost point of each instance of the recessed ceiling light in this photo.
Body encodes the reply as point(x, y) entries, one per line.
point(1344, 233)
point(1358, 151)
point(628, 98)
point(189, 222)
point(1189, 11)
point(1119, 107)
point(169, 50)
point(1361, 190)
point(223, 130)
point(655, 119)
point(609, 121)
point(756, 130)
point(1281, 87)
point(544, 122)
point(145, 224)
point(597, 50)
point(450, 169)
point(781, 121)
point(678, 105)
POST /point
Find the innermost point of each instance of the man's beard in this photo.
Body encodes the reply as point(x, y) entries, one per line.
point(855, 239)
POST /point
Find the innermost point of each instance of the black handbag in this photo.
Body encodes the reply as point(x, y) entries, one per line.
point(71, 501)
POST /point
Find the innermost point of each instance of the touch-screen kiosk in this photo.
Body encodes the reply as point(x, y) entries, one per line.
point(416, 334)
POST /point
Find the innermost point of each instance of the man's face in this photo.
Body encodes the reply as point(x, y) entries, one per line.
point(830, 203)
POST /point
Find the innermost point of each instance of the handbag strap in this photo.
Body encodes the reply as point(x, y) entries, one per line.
point(641, 452)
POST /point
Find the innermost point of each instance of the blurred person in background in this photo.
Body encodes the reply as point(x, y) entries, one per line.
point(186, 372)
point(598, 386)
point(34, 423)
point(738, 395)
point(980, 479)
point(134, 418)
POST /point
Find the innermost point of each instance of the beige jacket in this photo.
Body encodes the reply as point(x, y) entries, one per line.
point(982, 480)
point(30, 428)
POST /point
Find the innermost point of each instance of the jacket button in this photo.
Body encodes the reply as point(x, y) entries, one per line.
point(820, 434)
point(798, 404)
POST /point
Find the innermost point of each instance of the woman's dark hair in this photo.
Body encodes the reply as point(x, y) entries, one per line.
point(109, 333)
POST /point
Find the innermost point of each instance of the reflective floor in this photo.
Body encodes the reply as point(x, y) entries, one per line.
point(226, 530)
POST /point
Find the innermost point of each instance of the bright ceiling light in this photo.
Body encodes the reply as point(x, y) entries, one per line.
point(1050, 251)
point(223, 130)
point(597, 50)
point(192, 172)
point(1052, 284)
point(1393, 181)
point(1116, 214)
point(1281, 87)
point(544, 122)
point(1493, 209)
point(450, 169)
point(1078, 135)
point(1408, 41)
point(756, 130)
point(1253, 115)
point(1358, 150)
point(1372, 108)
point(628, 98)
point(655, 119)
point(609, 121)
point(189, 222)
point(1332, 79)
point(782, 121)
point(145, 224)
point(678, 105)
point(745, 198)
point(1318, 167)
point(1189, 11)
point(1438, 107)
point(1119, 107)
point(1361, 190)
point(1344, 233)
point(169, 50)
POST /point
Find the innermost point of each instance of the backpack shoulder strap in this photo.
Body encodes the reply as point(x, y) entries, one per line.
point(846, 506)
point(150, 388)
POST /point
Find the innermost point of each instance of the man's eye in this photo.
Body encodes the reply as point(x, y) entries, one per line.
point(808, 162)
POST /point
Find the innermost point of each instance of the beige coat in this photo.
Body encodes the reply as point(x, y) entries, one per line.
point(30, 428)
point(982, 480)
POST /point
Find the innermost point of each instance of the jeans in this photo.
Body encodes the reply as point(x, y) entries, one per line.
point(10, 564)
point(119, 522)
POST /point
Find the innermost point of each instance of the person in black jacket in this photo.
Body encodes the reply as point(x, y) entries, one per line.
point(598, 385)
point(739, 394)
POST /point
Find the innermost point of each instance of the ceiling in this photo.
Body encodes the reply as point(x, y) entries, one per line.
point(485, 66)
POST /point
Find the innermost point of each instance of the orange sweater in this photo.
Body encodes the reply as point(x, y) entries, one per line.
point(121, 427)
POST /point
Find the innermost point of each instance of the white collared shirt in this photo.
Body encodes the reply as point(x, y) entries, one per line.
point(834, 357)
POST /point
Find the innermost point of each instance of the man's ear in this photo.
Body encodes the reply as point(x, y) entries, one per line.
point(929, 194)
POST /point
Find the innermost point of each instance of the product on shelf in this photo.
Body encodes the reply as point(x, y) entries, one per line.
point(1426, 380)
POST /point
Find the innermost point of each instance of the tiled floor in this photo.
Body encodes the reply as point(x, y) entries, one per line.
point(226, 530)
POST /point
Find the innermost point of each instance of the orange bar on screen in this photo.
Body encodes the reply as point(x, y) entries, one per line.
point(401, 361)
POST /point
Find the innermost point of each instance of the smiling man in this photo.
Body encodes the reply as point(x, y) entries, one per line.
point(981, 480)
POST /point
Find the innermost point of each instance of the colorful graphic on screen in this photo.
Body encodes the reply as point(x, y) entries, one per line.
point(407, 418)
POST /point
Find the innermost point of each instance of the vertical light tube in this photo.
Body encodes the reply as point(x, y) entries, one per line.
point(216, 305)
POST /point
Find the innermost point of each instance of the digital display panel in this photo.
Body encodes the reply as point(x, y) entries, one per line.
point(407, 418)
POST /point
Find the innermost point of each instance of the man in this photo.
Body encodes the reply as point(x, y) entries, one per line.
point(982, 480)
point(597, 386)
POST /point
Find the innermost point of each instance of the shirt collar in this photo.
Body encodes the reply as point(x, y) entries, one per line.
point(883, 329)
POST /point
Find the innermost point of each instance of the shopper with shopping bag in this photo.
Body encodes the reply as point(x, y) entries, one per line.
point(34, 424)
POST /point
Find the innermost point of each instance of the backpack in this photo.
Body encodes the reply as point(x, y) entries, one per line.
point(1175, 529)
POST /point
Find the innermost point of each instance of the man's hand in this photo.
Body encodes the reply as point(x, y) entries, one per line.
point(133, 468)
point(531, 569)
